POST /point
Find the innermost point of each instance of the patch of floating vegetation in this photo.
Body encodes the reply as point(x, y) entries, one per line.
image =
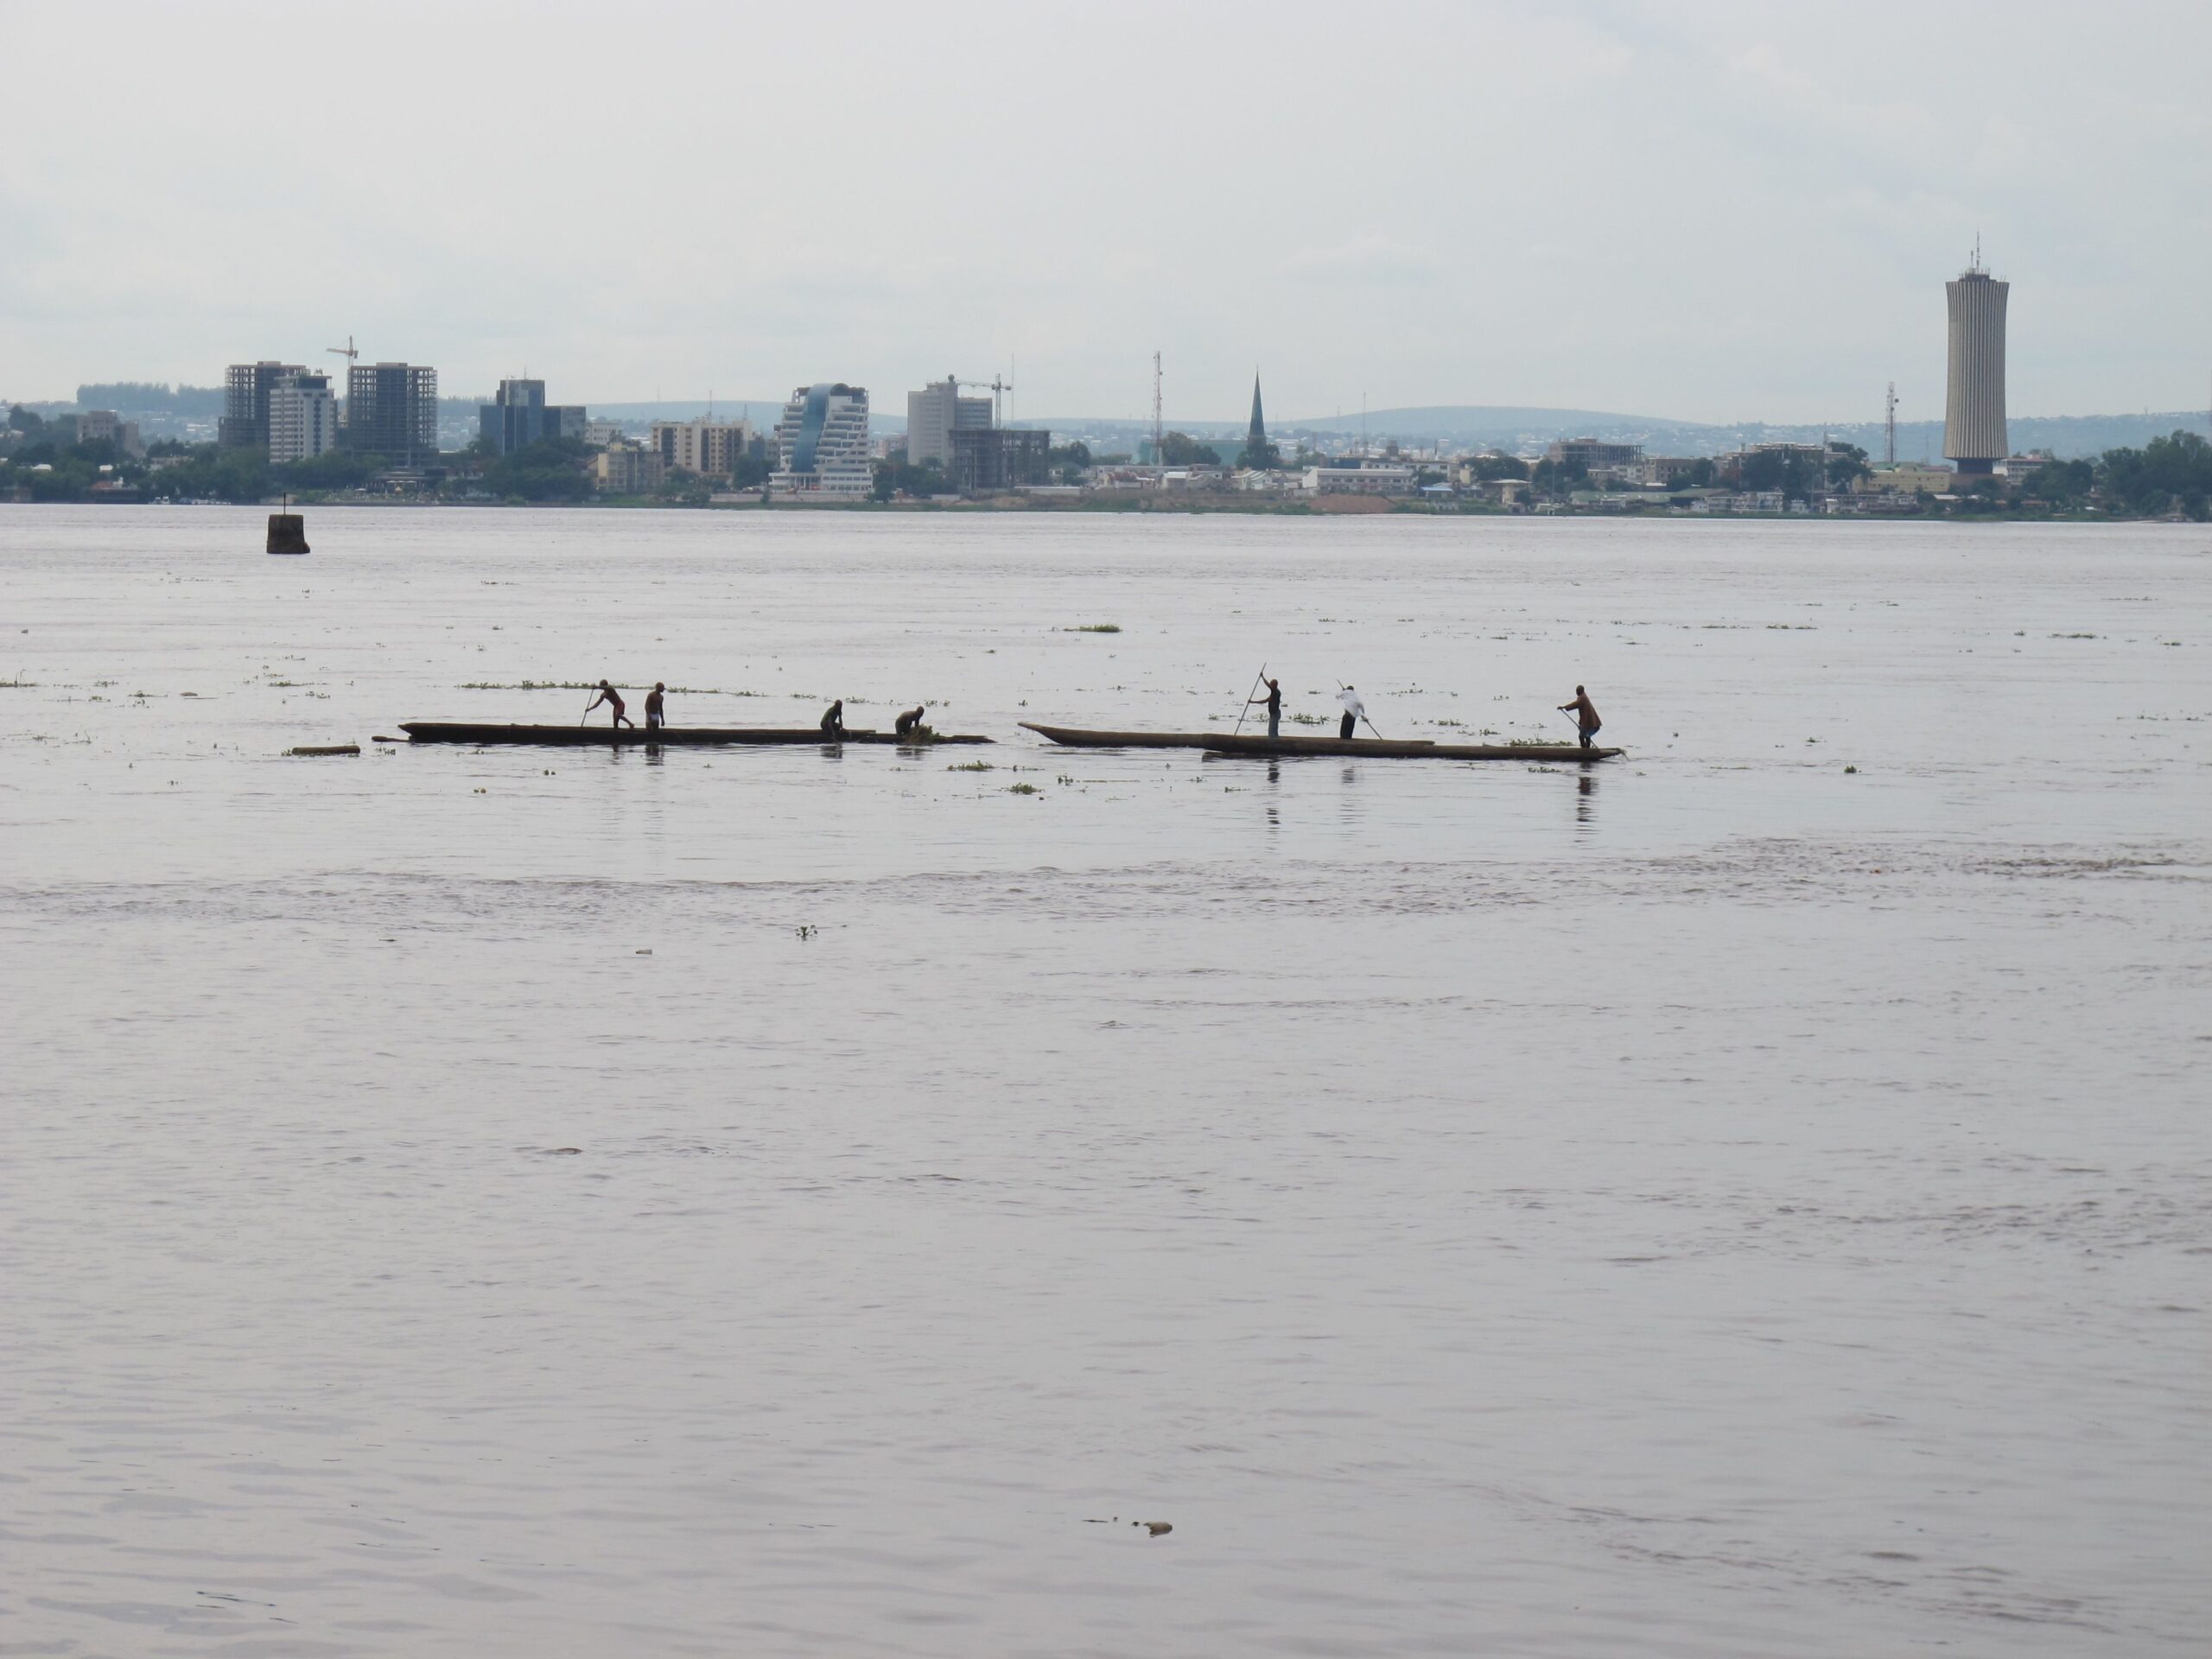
point(1094, 627)
point(973, 765)
point(1021, 788)
point(593, 685)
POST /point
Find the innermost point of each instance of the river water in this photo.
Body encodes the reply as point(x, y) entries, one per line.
point(789, 1203)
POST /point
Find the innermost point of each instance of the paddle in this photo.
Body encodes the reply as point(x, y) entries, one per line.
point(1247, 708)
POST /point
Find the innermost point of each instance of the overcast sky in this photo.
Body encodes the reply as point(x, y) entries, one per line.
point(1714, 212)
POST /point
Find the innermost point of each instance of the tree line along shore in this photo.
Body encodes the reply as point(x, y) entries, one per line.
point(2168, 478)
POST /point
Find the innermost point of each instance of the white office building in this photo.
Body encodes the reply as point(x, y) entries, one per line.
point(1374, 479)
point(303, 416)
point(934, 414)
point(822, 444)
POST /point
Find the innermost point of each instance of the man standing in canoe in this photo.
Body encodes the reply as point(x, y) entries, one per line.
point(1355, 711)
point(613, 699)
point(1274, 700)
point(1585, 713)
point(656, 714)
point(833, 723)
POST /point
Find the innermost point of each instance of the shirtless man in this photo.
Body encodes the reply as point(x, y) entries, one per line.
point(906, 723)
point(833, 723)
point(1585, 713)
point(656, 712)
point(613, 699)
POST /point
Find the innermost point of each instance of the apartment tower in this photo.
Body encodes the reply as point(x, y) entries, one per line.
point(303, 416)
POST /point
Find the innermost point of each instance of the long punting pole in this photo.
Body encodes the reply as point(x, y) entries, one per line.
point(1247, 708)
point(1369, 723)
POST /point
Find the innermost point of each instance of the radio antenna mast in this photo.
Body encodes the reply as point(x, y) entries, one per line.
point(1890, 428)
point(1159, 428)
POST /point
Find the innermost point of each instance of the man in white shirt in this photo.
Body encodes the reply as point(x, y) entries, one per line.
point(1355, 711)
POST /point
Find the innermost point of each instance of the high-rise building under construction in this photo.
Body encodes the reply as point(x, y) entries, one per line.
point(391, 409)
point(1973, 409)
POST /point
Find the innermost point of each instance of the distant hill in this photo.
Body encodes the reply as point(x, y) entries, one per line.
point(1465, 422)
point(763, 411)
point(131, 398)
point(1506, 427)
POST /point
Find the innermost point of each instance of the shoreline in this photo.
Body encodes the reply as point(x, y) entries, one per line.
point(1199, 507)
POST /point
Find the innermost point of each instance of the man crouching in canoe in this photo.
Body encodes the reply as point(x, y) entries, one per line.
point(1585, 713)
point(613, 699)
point(909, 721)
point(833, 721)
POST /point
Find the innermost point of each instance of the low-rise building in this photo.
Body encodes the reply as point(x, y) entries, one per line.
point(1194, 478)
point(1372, 480)
point(1591, 455)
point(1907, 477)
point(627, 469)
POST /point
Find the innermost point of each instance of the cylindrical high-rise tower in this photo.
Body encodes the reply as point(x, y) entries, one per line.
point(1973, 413)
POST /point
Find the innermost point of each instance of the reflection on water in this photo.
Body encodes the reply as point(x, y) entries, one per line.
point(461, 1201)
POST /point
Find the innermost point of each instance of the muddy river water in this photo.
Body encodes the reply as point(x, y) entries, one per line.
point(1754, 1196)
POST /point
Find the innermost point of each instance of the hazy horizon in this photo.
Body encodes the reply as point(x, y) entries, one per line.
point(1731, 215)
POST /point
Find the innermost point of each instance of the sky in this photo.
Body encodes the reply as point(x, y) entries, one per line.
point(1714, 212)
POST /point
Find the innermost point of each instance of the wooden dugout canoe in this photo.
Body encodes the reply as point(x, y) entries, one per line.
point(447, 731)
point(1224, 745)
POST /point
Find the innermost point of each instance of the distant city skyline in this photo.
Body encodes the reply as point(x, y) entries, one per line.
point(1717, 213)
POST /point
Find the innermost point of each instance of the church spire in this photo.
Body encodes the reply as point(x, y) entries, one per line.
point(1257, 437)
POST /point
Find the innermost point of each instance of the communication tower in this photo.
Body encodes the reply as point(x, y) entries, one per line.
point(1890, 428)
point(1158, 426)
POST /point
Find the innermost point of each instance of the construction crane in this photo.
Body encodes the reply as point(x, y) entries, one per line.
point(997, 386)
point(348, 351)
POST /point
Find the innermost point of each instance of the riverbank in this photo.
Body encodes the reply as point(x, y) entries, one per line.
point(1190, 504)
